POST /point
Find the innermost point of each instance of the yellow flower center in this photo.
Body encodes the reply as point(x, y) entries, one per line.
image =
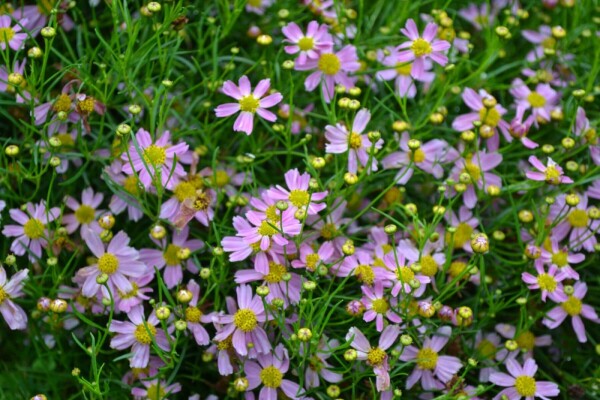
point(155, 392)
point(220, 179)
point(143, 335)
point(86, 106)
point(62, 103)
point(6, 34)
point(578, 218)
point(202, 200)
point(572, 306)
point(549, 43)
point(456, 268)
point(272, 214)
point(245, 319)
point(525, 386)
point(3, 295)
point(265, 229)
point(329, 64)
point(131, 185)
point(536, 100)
point(184, 190)
point(254, 3)
point(547, 282)
point(427, 358)
point(403, 68)
point(271, 377)
point(108, 263)
point(33, 228)
point(329, 231)
point(66, 140)
point(473, 170)
point(462, 234)
point(376, 356)
point(249, 103)
point(85, 214)
point(132, 293)
point(225, 344)
point(193, 314)
point(486, 349)
point(299, 198)
point(276, 272)
point(364, 273)
point(155, 155)
point(306, 43)
point(489, 116)
point(526, 340)
point(417, 156)
point(421, 47)
point(355, 141)
point(312, 260)
point(560, 259)
point(380, 306)
point(552, 175)
point(405, 274)
point(170, 255)
point(428, 266)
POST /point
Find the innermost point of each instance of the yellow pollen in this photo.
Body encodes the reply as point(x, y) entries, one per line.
point(355, 141)
point(108, 263)
point(130, 294)
point(456, 268)
point(85, 214)
point(254, 3)
point(552, 175)
point(428, 266)
point(473, 170)
point(193, 314)
point(376, 356)
point(143, 335)
point(221, 178)
point(329, 231)
point(245, 320)
point(276, 272)
point(526, 340)
point(405, 274)
point(525, 386)
point(155, 392)
point(130, 184)
point(202, 200)
point(386, 248)
point(329, 64)
point(364, 273)
point(544, 75)
point(184, 190)
point(380, 306)
point(155, 155)
point(170, 255)
point(572, 306)
point(66, 140)
point(266, 230)
point(462, 234)
point(547, 282)
point(299, 198)
point(225, 344)
point(578, 218)
point(312, 260)
point(62, 103)
point(418, 156)
point(549, 43)
point(486, 349)
point(536, 100)
point(272, 214)
point(489, 116)
point(560, 259)
point(427, 358)
point(421, 47)
point(6, 34)
point(403, 68)
point(306, 43)
point(249, 103)
point(86, 106)
point(33, 228)
point(271, 377)
point(3, 295)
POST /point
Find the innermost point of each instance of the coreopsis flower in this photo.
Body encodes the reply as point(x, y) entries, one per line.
point(10, 289)
point(258, 6)
point(155, 389)
point(128, 198)
point(543, 39)
point(226, 179)
point(521, 382)
point(486, 350)
point(37, 16)
point(11, 36)
point(541, 101)
point(375, 356)
point(269, 370)
point(85, 213)
point(125, 301)
point(249, 103)
point(194, 317)
point(561, 258)
point(577, 224)
point(318, 367)
point(155, 161)
point(242, 324)
point(547, 281)
point(279, 288)
point(358, 145)
point(32, 233)
point(331, 69)
point(575, 308)
point(378, 306)
point(397, 274)
point(360, 265)
point(297, 193)
point(21, 92)
point(118, 260)
point(310, 258)
point(169, 257)
point(465, 224)
point(476, 168)
point(552, 173)
point(139, 334)
point(429, 364)
point(316, 40)
point(526, 341)
point(519, 129)
point(403, 73)
point(479, 15)
point(419, 48)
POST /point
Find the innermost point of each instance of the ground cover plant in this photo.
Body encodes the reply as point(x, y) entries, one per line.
point(284, 199)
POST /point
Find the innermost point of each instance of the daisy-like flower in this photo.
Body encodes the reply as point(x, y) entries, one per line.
point(138, 334)
point(354, 142)
point(155, 161)
point(318, 367)
point(486, 350)
point(194, 317)
point(478, 15)
point(476, 169)
point(521, 382)
point(118, 260)
point(552, 173)
point(297, 193)
point(402, 72)
point(575, 308)
point(331, 69)
point(519, 129)
point(269, 371)
point(400, 276)
point(541, 101)
point(155, 389)
point(85, 213)
point(37, 16)
point(32, 233)
point(311, 259)
point(429, 364)
point(286, 290)
point(464, 224)
point(242, 324)
point(249, 103)
point(419, 48)
point(378, 306)
point(543, 39)
point(125, 301)
point(14, 315)
point(316, 40)
point(525, 339)
point(578, 226)
point(562, 258)
point(360, 264)
point(375, 356)
point(547, 282)
point(12, 36)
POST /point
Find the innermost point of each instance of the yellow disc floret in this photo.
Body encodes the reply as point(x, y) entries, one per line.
point(271, 377)
point(108, 263)
point(427, 358)
point(144, 333)
point(329, 64)
point(245, 320)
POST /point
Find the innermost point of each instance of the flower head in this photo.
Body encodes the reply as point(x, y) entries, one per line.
point(14, 315)
point(521, 382)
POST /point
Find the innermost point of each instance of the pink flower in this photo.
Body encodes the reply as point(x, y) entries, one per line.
point(397, 273)
point(311, 259)
point(118, 261)
point(429, 364)
point(520, 382)
point(561, 258)
point(316, 40)
point(155, 389)
point(128, 198)
point(541, 102)
point(331, 69)
point(32, 234)
point(478, 15)
point(249, 103)
point(318, 365)
point(421, 48)
point(358, 146)
point(551, 173)
point(543, 39)
point(14, 315)
point(258, 6)
point(85, 213)
point(379, 306)
point(403, 73)
point(548, 282)
point(194, 317)
point(477, 169)
point(139, 334)
point(573, 307)
point(286, 290)
point(465, 224)
point(297, 193)
point(11, 36)
point(576, 224)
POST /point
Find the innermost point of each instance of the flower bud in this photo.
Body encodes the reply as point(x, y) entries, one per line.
point(106, 221)
point(180, 325)
point(304, 334)
point(54, 161)
point(35, 52)
point(184, 296)
point(288, 64)
point(348, 248)
point(572, 199)
point(43, 304)
point(241, 384)
point(123, 130)
point(390, 229)
point(263, 291)
point(163, 313)
point(12, 150)
point(350, 178)
point(154, 6)
point(58, 306)
point(135, 109)
point(406, 340)
point(333, 391)
point(480, 243)
point(158, 232)
point(48, 32)
point(309, 286)
point(318, 162)
point(350, 355)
